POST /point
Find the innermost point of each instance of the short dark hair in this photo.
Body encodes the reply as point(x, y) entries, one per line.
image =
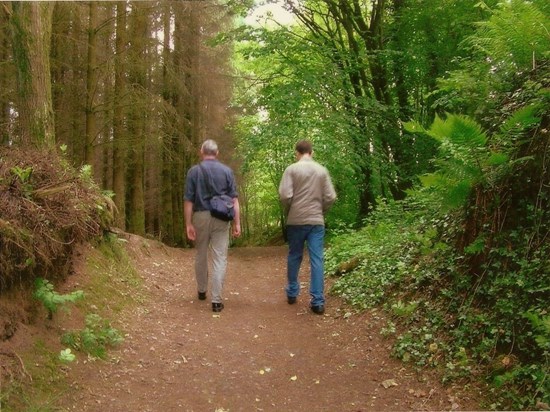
point(304, 146)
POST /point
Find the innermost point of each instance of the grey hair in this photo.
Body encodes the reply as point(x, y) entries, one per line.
point(209, 147)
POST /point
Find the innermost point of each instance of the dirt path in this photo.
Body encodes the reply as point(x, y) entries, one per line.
point(259, 354)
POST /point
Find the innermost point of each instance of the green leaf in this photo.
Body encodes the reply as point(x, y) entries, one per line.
point(497, 159)
point(414, 127)
point(66, 356)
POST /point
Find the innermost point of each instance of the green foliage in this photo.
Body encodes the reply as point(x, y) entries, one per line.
point(401, 309)
point(508, 48)
point(463, 158)
point(424, 43)
point(112, 285)
point(66, 356)
point(464, 309)
point(386, 249)
point(469, 326)
point(541, 327)
point(45, 293)
point(95, 338)
point(462, 265)
point(45, 379)
point(291, 101)
point(516, 36)
point(86, 174)
point(24, 177)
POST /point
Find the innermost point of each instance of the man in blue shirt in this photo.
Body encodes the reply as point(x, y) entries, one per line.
point(205, 230)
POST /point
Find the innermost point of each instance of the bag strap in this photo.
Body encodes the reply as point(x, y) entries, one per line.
point(208, 180)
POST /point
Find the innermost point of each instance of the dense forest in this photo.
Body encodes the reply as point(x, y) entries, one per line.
point(432, 117)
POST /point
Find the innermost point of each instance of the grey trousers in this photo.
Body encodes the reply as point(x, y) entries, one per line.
point(212, 236)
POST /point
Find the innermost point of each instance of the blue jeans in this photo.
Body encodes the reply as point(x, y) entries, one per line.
point(297, 236)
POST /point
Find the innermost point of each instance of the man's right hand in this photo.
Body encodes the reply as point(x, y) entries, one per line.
point(236, 232)
point(191, 234)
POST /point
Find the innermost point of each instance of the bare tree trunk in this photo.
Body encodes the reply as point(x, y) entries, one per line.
point(137, 120)
point(182, 147)
point(91, 84)
point(119, 144)
point(5, 87)
point(68, 80)
point(31, 24)
point(167, 213)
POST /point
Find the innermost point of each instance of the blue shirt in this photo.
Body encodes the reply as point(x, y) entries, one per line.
point(196, 188)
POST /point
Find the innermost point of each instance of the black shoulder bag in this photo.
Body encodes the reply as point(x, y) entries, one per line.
point(221, 206)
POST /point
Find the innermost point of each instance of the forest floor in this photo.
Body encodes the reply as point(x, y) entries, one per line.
point(258, 354)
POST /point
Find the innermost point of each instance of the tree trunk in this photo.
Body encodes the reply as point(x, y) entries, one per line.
point(31, 24)
point(166, 207)
point(91, 84)
point(5, 83)
point(119, 144)
point(137, 119)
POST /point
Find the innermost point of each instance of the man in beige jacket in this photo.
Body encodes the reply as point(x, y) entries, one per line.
point(306, 193)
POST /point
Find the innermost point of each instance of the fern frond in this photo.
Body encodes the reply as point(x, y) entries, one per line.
point(414, 127)
point(458, 130)
point(497, 159)
point(516, 34)
point(523, 119)
point(462, 161)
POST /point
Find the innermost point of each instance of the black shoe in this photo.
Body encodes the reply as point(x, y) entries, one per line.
point(318, 309)
point(217, 307)
point(202, 295)
point(291, 300)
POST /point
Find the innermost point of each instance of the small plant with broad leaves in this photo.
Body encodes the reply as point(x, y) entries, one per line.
point(66, 356)
point(45, 293)
point(95, 338)
point(24, 177)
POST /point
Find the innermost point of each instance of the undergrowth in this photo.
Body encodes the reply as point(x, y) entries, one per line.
point(95, 339)
point(45, 376)
point(47, 208)
point(111, 286)
point(492, 328)
point(463, 264)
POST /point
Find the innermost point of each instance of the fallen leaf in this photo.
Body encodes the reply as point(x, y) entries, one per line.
point(293, 378)
point(420, 393)
point(388, 383)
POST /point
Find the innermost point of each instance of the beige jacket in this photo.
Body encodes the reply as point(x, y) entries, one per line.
point(306, 192)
